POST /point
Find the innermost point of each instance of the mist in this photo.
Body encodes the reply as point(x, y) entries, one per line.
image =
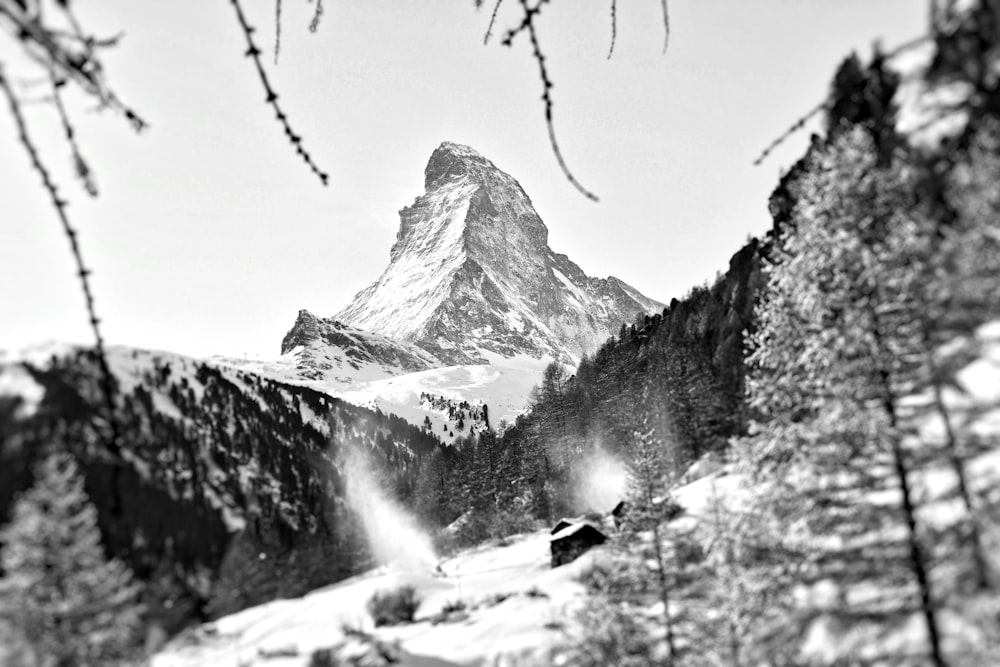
point(603, 482)
point(393, 534)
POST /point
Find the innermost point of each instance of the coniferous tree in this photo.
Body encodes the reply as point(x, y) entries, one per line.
point(73, 605)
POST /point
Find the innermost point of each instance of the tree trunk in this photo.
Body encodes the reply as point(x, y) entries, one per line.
point(917, 559)
point(664, 594)
point(957, 464)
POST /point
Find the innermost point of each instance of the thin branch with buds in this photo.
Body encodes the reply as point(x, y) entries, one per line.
point(80, 165)
point(614, 27)
point(70, 55)
point(317, 16)
point(107, 381)
point(825, 104)
point(277, 30)
point(254, 52)
point(493, 20)
point(666, 26)
point(528, 25)
point(798, 125)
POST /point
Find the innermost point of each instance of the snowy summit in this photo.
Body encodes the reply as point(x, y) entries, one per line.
point(471, 272)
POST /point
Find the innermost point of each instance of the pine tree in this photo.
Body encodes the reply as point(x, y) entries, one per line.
point(72, 604)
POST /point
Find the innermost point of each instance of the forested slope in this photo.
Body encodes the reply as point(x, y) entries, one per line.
point(228, 490)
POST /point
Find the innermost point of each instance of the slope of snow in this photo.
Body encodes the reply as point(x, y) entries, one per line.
point(503, 384)
point(516, 606)
point(420, 278)
point(504, 389)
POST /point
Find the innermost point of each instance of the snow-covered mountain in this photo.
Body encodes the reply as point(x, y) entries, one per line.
point(325, 349)
point(471, 273)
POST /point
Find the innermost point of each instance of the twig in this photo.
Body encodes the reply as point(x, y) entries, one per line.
point(271, 97)
point(801, 122)
point(528, 25)
point(317, 15)
point(798, 125)
point(277, 30)
point(493, 19)
point(666, 26)
point(107, 381)
point(614, 26)
point(79, 66)
point(80, 165)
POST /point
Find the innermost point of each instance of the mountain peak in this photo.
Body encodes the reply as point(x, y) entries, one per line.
point(472, 273)
point(451, 160)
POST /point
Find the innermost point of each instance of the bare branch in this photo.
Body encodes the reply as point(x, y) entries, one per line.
point(80, 166)
point(801, 122)
point(317, 15)
point(277, 30)
point(798, 125)
point(107, 381)
point(271, 97)
point(71, 56)
point(614, 26)
point(666, 26)
point(528, 25)
point(493, 19)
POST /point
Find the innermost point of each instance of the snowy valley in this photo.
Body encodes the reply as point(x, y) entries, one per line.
point(490, 458)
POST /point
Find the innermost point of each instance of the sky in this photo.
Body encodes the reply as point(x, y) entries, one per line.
point(209, 234)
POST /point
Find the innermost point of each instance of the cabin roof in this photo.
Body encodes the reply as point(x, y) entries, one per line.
point(561, 525)
point(583, 529)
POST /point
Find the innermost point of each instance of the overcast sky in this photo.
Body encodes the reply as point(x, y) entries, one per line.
point(209, 235)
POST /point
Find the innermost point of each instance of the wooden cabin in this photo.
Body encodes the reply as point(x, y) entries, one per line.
point(570, 540)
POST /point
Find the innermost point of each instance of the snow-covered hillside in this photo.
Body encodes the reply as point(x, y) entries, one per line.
point(339, 355)
point(509, 607)
point(503, 385)
point(503, 388)
point(210, 460)
point(515, 606)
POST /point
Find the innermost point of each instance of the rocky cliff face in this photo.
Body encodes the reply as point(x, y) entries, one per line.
point(325, 349)
point(471, 273)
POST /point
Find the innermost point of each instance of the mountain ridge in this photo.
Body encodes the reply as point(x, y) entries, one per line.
point(476, 274)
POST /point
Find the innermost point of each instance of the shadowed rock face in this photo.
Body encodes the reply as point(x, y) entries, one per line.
point(326, 349)
point(471, 272)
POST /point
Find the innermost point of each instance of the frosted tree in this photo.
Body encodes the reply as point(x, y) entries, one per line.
point(649, 507)
point(68, 601)
point(835, 354)
point(960, 291)
point(744, 585)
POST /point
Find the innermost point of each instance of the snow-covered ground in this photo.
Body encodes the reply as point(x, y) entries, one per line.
point(504, 389)
point(503, 385)
point(516, 608)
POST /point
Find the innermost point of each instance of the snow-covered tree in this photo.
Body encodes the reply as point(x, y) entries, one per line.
point(649, 508)
point(71, 603)
point(742, 599)
point(837, 350)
